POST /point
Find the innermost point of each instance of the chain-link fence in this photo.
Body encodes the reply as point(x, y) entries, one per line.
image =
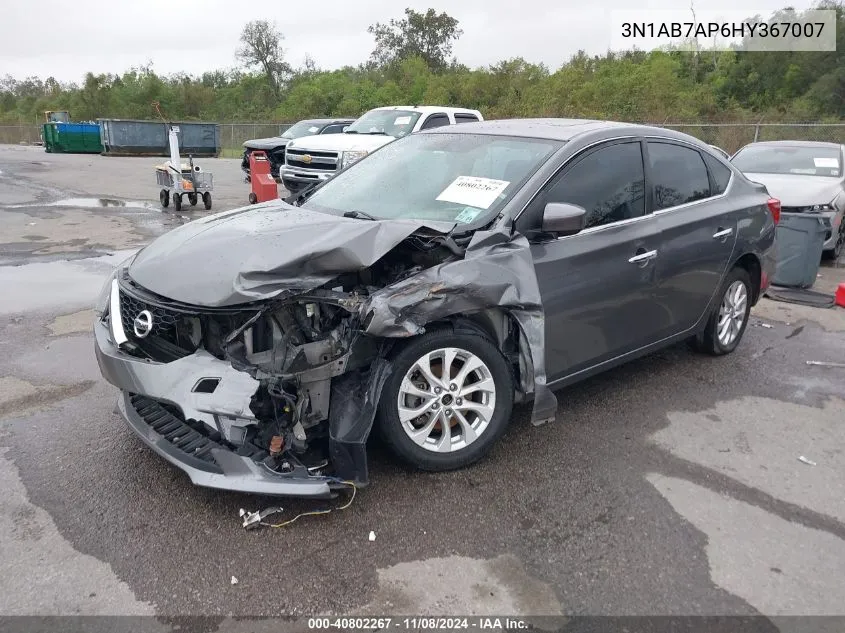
point(729, 136)
point(232, 135)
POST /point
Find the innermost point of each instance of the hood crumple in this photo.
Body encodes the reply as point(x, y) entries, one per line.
point(261, 252)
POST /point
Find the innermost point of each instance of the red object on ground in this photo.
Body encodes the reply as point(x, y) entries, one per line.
point(840, 295)
point(263, 185)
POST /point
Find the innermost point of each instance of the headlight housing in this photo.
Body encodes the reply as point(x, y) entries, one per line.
point(351, 157)
point(105, 293)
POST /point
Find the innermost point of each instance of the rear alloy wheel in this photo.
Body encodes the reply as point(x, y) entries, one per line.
point(447, 401)
point(730, 318)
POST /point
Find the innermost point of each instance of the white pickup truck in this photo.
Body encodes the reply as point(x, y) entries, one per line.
point(313, 159)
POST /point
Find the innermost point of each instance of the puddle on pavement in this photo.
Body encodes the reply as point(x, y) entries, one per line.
point(101, 203)
point(48, 285)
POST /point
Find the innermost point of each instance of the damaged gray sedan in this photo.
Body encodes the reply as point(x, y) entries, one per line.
point(422, 292)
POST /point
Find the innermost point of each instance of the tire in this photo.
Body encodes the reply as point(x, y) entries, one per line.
point(710, 341)
point(253, 198)
point(177, 201)
point(206, 201)
point(192, 198)
point(430, 452)
point(164, 198)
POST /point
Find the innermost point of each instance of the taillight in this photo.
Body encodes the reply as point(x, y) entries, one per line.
point(774, 209)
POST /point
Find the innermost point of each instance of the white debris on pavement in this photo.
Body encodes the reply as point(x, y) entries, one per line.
point(809, 462)
point(234, 580)
point(372, 536)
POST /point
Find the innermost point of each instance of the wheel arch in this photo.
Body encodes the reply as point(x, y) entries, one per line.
point(750, 262)
point(495, 324)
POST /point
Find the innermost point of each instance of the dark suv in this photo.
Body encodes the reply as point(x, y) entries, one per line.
point(424, 290)
point(275, 145)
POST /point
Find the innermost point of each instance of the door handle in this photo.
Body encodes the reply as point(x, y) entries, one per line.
point(722, 234)
point(642, 259)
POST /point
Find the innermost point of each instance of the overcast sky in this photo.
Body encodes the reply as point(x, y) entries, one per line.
point(66, 39)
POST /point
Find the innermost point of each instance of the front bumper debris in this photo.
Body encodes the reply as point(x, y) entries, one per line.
point(196, 441)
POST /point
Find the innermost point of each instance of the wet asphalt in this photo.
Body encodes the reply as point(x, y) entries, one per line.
point(671, 485)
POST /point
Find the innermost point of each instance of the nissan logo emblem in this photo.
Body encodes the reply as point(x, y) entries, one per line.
point(143, 324)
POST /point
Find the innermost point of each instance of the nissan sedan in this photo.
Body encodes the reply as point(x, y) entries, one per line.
point(422, 292)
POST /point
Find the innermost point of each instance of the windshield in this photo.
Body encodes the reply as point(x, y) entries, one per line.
point(789, 159)
point(391, 122)
point(303, 128)
point(447, 177)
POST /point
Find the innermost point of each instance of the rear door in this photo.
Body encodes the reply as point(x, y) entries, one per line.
point(699, 229)
point(597, 286)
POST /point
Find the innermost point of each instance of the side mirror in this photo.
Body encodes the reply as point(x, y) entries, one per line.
point(562, 218)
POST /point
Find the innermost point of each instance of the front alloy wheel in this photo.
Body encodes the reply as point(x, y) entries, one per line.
point(447, 401)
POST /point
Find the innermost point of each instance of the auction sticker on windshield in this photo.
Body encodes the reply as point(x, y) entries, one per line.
point(402, 120)
point(826, 163)
point(473, 191)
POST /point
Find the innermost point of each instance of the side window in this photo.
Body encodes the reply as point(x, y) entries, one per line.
point(466, 118)
point(609, 183)
point(435, 120)
point(721, 175)
point(678, 175)
point(335, 128)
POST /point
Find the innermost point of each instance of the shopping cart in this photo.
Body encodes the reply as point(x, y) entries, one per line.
point(190, 181)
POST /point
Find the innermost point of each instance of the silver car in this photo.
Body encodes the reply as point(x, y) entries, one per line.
point(806, 176)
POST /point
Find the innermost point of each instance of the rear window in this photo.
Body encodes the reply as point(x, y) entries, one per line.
point(466, 118)
point(789, 159)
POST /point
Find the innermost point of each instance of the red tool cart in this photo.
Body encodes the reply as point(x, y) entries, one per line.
point(263, 185)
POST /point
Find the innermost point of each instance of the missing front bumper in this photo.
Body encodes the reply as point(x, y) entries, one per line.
point(207, 462)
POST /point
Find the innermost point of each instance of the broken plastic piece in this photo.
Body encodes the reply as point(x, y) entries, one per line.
point(234, 580)
point(809, 462)
point(372, 536)
point(253, 519)
point(822, 363)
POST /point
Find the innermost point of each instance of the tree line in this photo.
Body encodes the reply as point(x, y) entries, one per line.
point(412, 63)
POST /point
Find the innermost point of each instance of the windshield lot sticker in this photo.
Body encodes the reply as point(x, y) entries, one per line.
point(826, 163)
point(467, 215)
point(473, 191)
point(313, 128)
point(402, 120)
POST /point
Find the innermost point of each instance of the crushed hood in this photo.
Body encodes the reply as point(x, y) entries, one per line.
point(341, 142)
point(267, 143)
point(264, 251)
point(798, 190)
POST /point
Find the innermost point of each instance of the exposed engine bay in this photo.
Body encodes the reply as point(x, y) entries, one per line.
point(293, 348)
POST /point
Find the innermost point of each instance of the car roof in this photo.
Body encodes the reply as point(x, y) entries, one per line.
point(424, 109)
point(561, 129)
point(326, 121)
point(796, 144)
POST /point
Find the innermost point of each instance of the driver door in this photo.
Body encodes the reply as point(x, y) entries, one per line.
point(598, 286)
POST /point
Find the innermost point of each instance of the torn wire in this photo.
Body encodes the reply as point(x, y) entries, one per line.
point(254, 519)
